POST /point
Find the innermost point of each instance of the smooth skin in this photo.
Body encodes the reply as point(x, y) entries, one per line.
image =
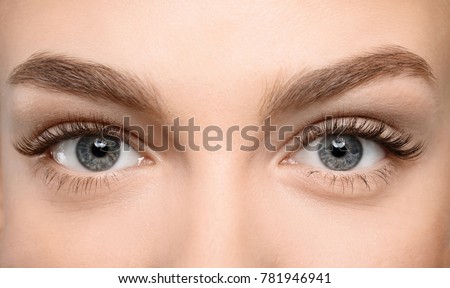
point(213, 60)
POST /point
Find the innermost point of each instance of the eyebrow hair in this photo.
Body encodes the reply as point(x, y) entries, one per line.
point(94, 81)
point(322, 84)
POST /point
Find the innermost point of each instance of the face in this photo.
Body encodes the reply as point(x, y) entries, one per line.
point(331, 128)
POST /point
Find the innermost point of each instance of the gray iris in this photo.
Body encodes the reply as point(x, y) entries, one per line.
point(337, 156)
point(98, 153)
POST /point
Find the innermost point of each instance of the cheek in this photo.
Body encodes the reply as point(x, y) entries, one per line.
point(86, 243)
point(412, 239)
point(359, 241)
point(428, 245)
point(126, 233)
point(402, 230)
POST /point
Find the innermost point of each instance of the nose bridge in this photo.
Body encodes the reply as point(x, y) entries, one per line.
point(214, 237)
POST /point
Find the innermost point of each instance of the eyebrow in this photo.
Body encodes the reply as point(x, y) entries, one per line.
point(94, 81)
point(322, 84)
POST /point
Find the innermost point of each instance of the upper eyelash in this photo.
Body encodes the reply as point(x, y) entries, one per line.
point(397, 142)
point(39, 143)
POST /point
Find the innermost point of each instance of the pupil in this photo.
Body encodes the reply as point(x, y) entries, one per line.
point(338, 152)
point(99, 152)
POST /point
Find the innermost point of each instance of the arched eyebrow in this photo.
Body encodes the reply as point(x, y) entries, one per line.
point(95, 81)
point(325, 83)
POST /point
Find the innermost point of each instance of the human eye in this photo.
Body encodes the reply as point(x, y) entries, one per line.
point(341, 153)
point(95, 153)
point(351, 151)
point(83, 156)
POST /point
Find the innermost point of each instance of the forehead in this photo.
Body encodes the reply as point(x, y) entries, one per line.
point(219, 50)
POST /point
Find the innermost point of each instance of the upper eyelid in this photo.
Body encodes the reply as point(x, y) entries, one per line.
point(39, 142)
point(397, 137)
point(317, 123)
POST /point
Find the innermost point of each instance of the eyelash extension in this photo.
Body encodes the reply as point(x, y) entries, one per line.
point(39, 142)
point(397, 142)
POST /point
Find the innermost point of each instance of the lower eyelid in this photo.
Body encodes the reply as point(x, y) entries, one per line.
point(347, 184)
point(64, 182)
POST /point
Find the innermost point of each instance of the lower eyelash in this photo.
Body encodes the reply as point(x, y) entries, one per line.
point(348, 181)
point(57, 180)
